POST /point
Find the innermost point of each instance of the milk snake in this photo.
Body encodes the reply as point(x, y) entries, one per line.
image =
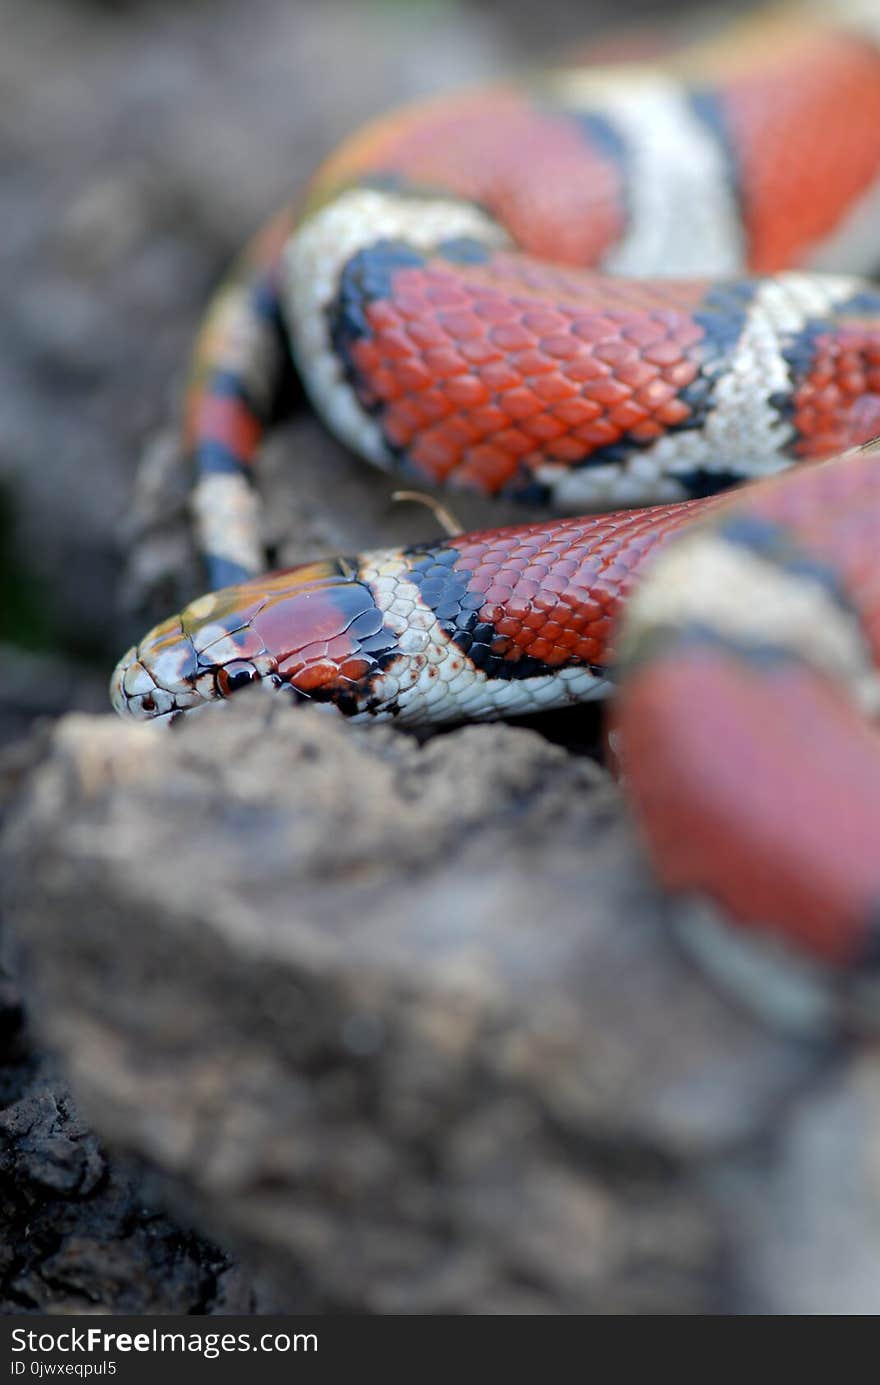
point(615, 286)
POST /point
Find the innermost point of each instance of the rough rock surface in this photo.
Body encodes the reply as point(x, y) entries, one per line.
point(291, 970)
point(78, 1232)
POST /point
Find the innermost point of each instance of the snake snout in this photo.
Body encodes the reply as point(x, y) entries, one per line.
point(158, 677)
point(117, 682)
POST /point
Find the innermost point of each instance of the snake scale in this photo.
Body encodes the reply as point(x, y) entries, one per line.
point(609, 287)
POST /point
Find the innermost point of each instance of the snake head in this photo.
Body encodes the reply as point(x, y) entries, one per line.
point(312, 630)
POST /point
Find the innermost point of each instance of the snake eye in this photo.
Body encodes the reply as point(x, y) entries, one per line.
point(230, 677)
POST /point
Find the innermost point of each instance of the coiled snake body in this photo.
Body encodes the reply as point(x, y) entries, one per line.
point(616, 287)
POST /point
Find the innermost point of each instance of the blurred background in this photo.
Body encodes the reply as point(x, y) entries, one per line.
point(140, 143)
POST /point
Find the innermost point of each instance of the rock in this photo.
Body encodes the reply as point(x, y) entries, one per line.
point(79, 1229)
point(809, 1217)
point(401, 1021)
point(78, 1233)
